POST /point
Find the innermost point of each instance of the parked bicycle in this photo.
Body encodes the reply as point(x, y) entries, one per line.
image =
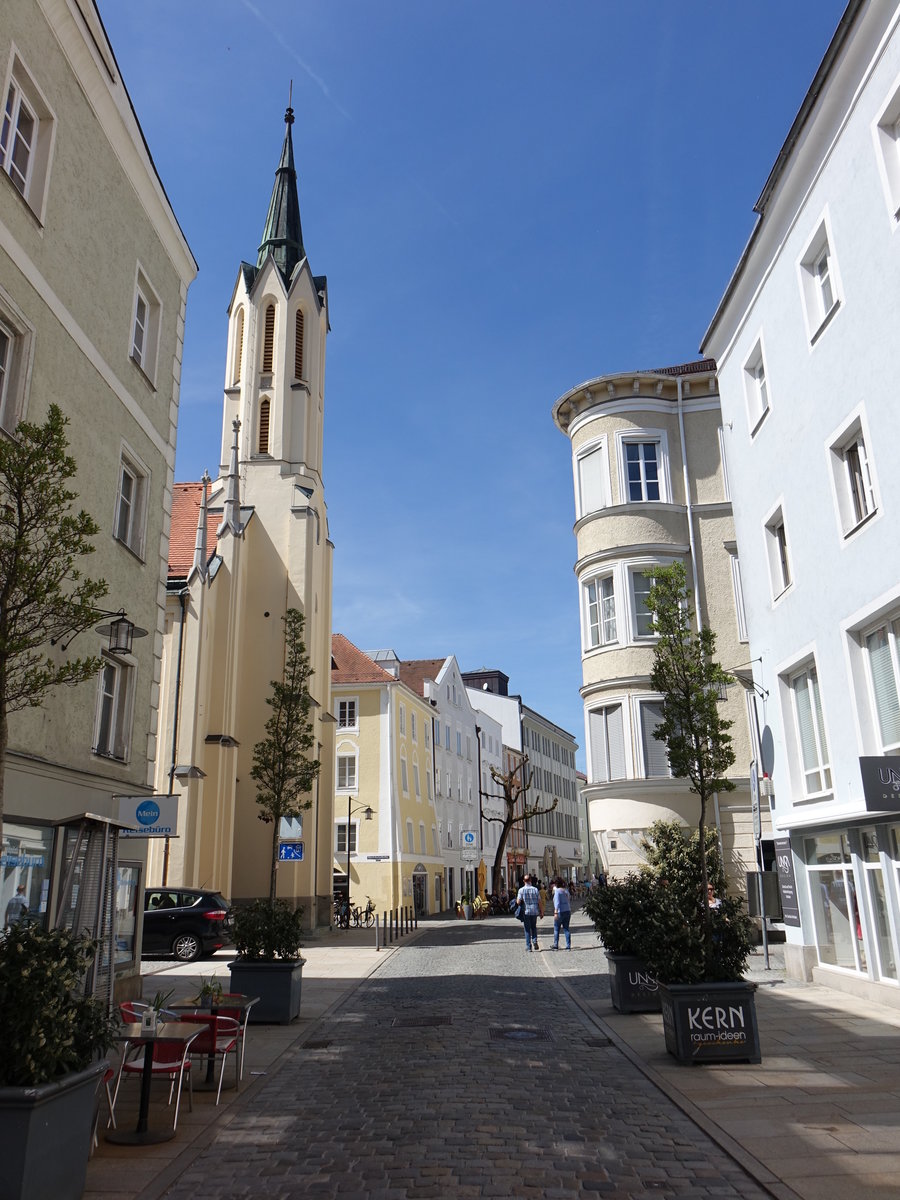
point(341, 916)
point(365, 916)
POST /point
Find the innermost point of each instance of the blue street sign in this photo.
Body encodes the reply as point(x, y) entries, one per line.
point(290, 851)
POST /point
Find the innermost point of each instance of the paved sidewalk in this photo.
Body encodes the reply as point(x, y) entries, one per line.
point(379, 1101)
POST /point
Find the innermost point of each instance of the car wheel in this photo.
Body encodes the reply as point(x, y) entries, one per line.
point(186, 947)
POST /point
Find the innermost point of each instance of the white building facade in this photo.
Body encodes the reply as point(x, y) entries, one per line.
point(805, 342)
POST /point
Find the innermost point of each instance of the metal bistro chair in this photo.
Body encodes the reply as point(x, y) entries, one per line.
point(168, 1060)
point(241, 1014)
point(218, 1040)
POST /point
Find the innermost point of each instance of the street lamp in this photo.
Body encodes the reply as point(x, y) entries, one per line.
point(350, 811)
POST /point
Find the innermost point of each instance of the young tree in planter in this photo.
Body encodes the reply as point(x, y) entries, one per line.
point(282, 767)
point(688, 678)
point(513, 784)
point(44, 598)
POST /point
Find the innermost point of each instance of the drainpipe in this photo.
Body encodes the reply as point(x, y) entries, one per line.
point(182, 596)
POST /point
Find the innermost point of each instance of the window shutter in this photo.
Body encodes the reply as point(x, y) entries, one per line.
point(269, 340)
point(590, 481)
point(607, 743)
point(884, 686)
point(616, 737)
point(238, 347)
point(656, 758)
point(264, 426)
point(298, 345)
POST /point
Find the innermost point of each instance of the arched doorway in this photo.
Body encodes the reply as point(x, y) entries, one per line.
point(420, 890)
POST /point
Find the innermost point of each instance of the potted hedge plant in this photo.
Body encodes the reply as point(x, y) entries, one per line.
point(267, 937)
point(618, 912)
point(690, 942)
point(51, 1061)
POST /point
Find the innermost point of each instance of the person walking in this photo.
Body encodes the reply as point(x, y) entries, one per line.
point(530, 899)
point(562, 913)
point(17, 909)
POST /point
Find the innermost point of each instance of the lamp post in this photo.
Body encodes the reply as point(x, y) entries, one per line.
point(368, 812)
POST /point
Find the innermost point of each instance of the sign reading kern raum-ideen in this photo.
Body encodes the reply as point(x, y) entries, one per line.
point(148, 816)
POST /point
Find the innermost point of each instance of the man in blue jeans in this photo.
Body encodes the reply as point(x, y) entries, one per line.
point(562, 913)
point(530, 898)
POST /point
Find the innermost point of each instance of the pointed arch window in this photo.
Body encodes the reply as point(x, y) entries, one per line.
point(263, 442)
point(268, 340)
point(238, 347)
point(298, 344)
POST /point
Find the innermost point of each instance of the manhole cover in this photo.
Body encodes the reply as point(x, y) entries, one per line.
point(322, 1044)
point(598, 1043)
point(419, 1022)
point(521, 1035)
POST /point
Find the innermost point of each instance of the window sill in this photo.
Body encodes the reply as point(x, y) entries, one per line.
point(759, 423)
point(824, 323)
point(848, 533)
point(109, 757)
point(143, 373)
point(134, 552)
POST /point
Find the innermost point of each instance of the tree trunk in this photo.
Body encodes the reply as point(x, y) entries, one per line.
point(275, 825)
point(498, 857)
point(4, 741)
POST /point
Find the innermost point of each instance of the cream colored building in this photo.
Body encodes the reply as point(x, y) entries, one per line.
point(94, 272)
point(245, 549)
point(651, 488)
point(385, 823)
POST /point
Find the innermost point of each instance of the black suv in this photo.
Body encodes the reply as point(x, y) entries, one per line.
point(185, 922)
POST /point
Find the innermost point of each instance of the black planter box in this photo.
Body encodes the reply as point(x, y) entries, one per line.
point(711, 1022)
point(632, 987)
point(277, 984)
point(45, 1136)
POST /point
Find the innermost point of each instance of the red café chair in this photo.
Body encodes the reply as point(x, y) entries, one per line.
point(219, 1039)
point(241, 1014)
point(168, 1060)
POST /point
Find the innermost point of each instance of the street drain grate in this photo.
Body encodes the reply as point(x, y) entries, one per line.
point(518, 1034)
point(322, 1044)
point(598, 1043)
point(419, 1022)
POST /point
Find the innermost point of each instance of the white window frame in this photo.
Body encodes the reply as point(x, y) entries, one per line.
point(821, 292)
point(340, 830)
point(343, 760)
point(644, 742)
point(20, 83)
point(852, 474)
point(130, 516)
point(737, 584)
point(410, 838)
point(348, 714)
point(889, 625)
point(778, 554)
point(17, 362)
point(404, 775)
point(423, 840)
point(886, 136)
point(598, 729)
point(603, 631)
point(413, 727)
point(591, 493)
point(144, 350)
point(114, 708)
point(757, 387)
point(659, 438)
point(635, 572)
point(807, 773)
point(416, 789)
point(402, 718)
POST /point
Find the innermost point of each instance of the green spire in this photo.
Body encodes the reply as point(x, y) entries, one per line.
point(282, 234)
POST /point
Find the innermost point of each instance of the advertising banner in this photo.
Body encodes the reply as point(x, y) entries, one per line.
point(148, 816)
point(784, 861)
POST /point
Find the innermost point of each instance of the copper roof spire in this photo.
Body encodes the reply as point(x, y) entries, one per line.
point(282, 234)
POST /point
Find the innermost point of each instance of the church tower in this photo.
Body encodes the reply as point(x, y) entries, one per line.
point(260, 547)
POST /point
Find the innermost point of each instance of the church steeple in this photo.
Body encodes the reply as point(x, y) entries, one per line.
point(282, 234)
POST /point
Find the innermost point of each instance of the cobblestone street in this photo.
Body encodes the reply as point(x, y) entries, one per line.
point(462, 1069)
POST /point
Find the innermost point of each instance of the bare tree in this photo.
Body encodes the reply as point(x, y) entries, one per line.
point(514, 785)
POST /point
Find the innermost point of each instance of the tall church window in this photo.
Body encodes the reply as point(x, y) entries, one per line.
point(268, 340)
point(264, 426)
point(298, 345)
point(238, 347)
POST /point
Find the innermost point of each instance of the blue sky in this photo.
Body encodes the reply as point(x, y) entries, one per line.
point(508, 197)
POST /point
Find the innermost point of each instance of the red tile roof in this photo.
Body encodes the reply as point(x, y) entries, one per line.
point(350, 665)
point(417, 670)
point(186, 499)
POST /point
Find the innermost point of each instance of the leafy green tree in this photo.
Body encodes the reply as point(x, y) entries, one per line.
point(282, 767)
point(514, 784)
point(689, 679)
point(45, 600)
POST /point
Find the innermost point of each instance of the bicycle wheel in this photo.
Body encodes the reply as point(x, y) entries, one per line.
point(370, 919)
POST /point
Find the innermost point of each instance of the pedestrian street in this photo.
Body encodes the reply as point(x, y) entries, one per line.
point(463, 1068)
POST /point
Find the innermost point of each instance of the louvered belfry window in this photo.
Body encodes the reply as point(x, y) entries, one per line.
point(238, 347)
point(264, 426)
point(268, 340)
point(298, 345)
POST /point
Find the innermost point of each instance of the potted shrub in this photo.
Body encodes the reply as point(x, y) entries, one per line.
point(618, 911)
point(689, 943)
point(50, 1061)
point(267, 937)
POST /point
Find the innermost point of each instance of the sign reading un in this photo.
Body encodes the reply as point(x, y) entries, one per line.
point(148, 816)
point(881, 783)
